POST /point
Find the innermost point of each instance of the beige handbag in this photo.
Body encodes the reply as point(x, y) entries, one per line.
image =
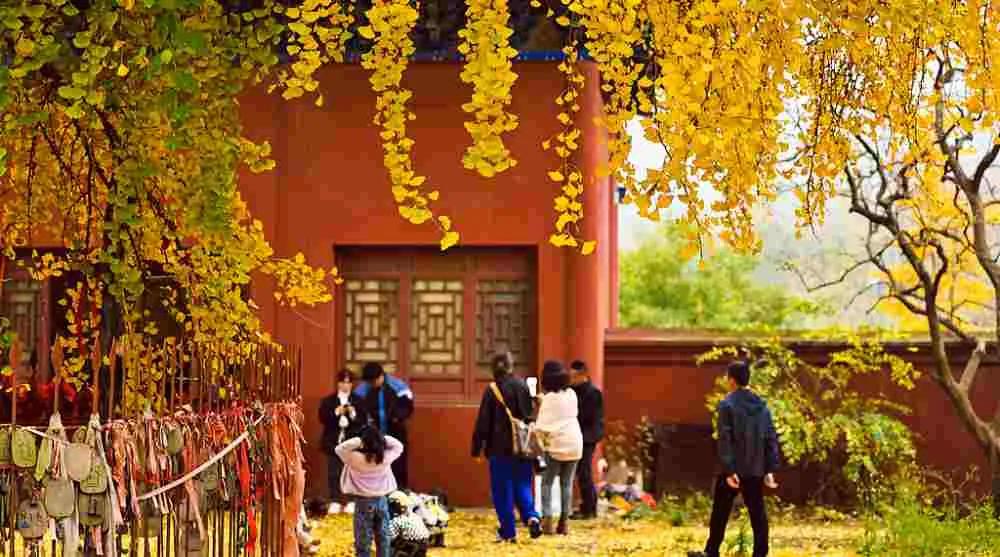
point(96, 481)
point(24, 450)
point(93, 509)
point(60, 497)
point(5, 456)
point(32, 522)
point(78, 459)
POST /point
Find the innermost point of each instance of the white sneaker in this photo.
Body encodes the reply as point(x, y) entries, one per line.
point(349, 508)
point(334, 508)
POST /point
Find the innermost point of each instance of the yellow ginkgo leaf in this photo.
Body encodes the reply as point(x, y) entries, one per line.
point(449, 239)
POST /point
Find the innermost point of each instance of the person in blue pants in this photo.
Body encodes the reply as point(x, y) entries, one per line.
point(510, 476)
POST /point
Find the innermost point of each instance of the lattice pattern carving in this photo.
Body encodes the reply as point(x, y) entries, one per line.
point(22, 301)
point(436, 333)
point(371, 327)
point(503, 313)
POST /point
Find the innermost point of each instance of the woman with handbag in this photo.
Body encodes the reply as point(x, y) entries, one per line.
point(502, 433)
point(559, 430)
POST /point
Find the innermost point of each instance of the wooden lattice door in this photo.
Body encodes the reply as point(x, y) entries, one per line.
point(436, 319)
point(25, 302)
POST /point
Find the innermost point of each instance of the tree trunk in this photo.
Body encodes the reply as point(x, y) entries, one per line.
point(111, 328)
point(995, 477)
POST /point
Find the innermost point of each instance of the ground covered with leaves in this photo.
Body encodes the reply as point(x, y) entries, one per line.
point(472, 533)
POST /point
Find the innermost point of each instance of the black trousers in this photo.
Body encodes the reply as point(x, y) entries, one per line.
point(334, 467)
point(401, 469)
point(585, 479)
point(722, 506)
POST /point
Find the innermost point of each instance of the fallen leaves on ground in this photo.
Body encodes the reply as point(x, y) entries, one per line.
point(472, 533)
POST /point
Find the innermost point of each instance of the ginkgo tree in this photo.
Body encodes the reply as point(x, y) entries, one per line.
point(903, 122)
point(121, 136)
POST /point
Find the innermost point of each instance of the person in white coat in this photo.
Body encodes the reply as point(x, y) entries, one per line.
point(559, 431)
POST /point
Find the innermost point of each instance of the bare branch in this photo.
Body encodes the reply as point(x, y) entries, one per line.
point(810, 288)
point(985, 164)
point(972, 367)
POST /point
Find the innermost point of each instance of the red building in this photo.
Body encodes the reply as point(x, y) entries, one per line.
point(433, 318)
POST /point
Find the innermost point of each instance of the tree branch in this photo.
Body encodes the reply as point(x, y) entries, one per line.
point(985, 164)
point(972, 367)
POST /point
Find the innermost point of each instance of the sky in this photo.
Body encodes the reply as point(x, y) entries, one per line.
point(815, 252)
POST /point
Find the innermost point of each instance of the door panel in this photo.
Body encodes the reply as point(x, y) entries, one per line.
point(436, 319)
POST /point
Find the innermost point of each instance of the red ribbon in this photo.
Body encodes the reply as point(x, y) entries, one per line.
point(248, 498)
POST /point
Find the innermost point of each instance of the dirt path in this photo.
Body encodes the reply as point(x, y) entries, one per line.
point(472, 534)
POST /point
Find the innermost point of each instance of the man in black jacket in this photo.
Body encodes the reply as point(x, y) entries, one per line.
point(748, 453)
point(386, 402)
point(591, 416)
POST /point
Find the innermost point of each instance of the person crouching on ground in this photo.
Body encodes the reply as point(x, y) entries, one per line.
point(368, 479)
point(339, 417)
point(749, 455)
point(511, 476)
point(559, 429)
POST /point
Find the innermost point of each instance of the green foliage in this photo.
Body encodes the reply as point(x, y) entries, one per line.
point(662, 287)
point(633, 447)
point(913, 529)
point(685, 511)
point(821, 419)
point(741, 543)
point(120, 135)
point(6, 340)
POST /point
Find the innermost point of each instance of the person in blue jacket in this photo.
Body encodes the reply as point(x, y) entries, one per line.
point(386, 402)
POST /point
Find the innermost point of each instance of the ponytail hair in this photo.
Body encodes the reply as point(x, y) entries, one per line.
point(502, 364)
point(372, 444)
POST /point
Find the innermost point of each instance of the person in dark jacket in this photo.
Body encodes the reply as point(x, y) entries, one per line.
point(387, 403)
point(591, 416)
point(339, 417)
point(749, 456)
point(511, 477)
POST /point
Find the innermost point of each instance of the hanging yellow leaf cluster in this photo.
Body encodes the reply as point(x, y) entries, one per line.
point(298, 282)
point(319, 30)
point(917, 157)
point(146, 366)
point(45, 266)
point(83, 304)
point(614, 30)
point(721, 84)
point(390, 24)
point(489, 68)
point(120, 133)
point(569, 177)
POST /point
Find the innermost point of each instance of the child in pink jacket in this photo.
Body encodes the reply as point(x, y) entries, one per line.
point(368, 479)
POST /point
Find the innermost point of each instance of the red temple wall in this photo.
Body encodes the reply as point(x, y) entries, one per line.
point(654, 375)
point(330, 188)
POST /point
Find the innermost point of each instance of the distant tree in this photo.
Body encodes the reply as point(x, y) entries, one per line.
point(665, 287)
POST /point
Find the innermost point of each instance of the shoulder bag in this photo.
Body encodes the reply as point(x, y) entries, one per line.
point(525, 441)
